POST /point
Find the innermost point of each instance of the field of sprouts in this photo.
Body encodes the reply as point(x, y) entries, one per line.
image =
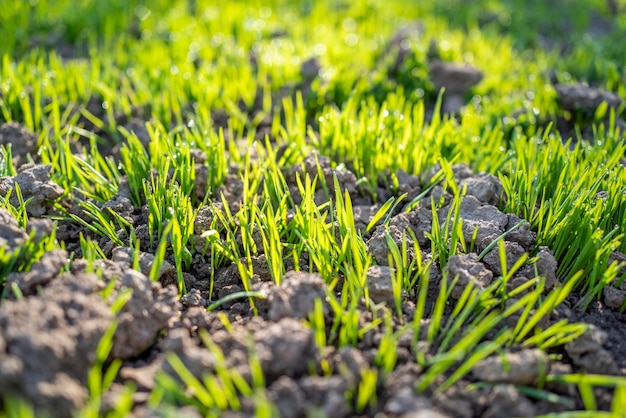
point(312, 208)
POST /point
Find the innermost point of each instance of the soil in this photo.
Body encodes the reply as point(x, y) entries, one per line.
point(48, 338)
point(51, 328)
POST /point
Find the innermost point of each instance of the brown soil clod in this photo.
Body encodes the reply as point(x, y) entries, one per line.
point(581, 97)
point(456, 79)
point(296, 296)
point(34, 183)
point(522, 368)
point(50, 343)
point(23, 142)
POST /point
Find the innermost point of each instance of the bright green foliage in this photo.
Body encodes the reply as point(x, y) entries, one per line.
point(21, 259)
point(220, 92)
point(6, 162)
point(100, 378)
point(215, 392)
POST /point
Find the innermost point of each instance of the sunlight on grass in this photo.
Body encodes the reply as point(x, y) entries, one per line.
point(197, 111)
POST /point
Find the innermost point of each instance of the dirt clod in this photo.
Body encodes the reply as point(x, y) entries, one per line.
point(519, 230)
point(125, 256)
point(296, 296)
point(282, 346)
point(41, 227)
point(22, 141)
point(487, 220)
point(418, 221)
point(287, 396)
point(193, 298)
point(11, 235)
point(380, 284)
point(34, 183)
point(507, 401)
point(48, 344)
point(198, 360)
point(424, 413)
point(579, 96)
point(325, 394)
point(468, 269)
point(351, 362)
point(121, 204)
point(487, 188)
point(587, 352)
point(148, 311)
point(404, 402)
point(522, 368)
point(613, 298)
point(457, 79)
point(41, 272)
point(513, 253)
point(546, 266)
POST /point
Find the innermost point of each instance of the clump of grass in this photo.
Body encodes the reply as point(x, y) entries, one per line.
point(6, 161)
point(21, 259)
point(217, 391)
point(564, 205)
point(102, 374)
